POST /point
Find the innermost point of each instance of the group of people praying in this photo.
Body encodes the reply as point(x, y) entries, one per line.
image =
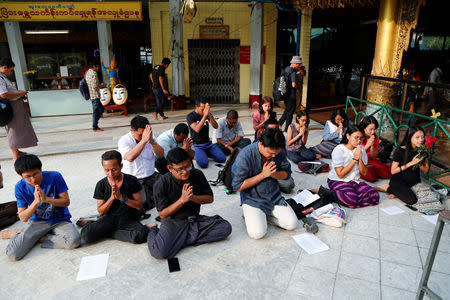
point(158, 172)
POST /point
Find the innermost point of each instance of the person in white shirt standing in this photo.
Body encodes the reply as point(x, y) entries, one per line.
point(138, 148)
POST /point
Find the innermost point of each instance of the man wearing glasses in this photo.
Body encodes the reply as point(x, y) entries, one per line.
point(42, 199)
point(178, 195)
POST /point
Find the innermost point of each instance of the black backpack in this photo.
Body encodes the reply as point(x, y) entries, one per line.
point(84, 89)
point(6, 112)
point(280, 86)
point(225, 175)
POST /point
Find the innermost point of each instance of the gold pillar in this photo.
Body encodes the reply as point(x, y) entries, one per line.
point(395, 21)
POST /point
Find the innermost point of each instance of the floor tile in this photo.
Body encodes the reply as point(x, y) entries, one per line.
point(358, 266)
point(325, 261)
point(400, 220)
point(441, 261)
point(400, 276)
point(397, 234)
point(400, 253)
point(347, 288)
point(362, 245)
point(310, 282)
point(390, 293)
point(363, 227)
point(424, 240)
point(439, 283)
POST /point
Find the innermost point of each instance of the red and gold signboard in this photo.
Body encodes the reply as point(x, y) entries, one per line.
point(70, 11)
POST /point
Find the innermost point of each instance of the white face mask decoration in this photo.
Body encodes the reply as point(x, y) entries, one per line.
point(120, 94)
point(105, 96)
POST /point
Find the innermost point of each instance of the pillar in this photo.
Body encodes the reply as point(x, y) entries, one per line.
point(106, 45)
point(176, 42)
point(305, 45)
point(17, 53)
point(256, 52)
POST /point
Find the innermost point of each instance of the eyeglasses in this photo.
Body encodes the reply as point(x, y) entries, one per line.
point(186, 169)
point(34, 175)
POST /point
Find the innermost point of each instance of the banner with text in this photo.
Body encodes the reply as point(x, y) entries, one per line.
point(70, 11)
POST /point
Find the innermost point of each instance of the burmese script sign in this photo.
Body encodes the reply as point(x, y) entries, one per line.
point(70, 11)
point(214, 32)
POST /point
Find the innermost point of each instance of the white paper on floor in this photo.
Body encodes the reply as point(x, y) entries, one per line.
point(432, 219)
point(310, 243)
point(93, 267)
point(393, 210)
point(305, 197)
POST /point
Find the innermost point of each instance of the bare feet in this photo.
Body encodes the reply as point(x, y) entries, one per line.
point(152, 225)
point(315, 191)
point(318, 156)
point(98, 130)
point(164, 117)
point(17, 153)
point(155, 115)
point(391, 196)
point(382, 188)
point(9, 233)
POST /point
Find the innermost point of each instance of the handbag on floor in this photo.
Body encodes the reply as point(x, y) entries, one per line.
point(313, 168)
point(428, 201)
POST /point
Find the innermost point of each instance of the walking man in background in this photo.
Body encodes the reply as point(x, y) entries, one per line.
point(159, 89)
point(94, 86)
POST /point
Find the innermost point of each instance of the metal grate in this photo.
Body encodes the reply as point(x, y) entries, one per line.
point(214, 70)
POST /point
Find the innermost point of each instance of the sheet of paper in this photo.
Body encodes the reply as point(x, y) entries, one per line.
point(64, 71)
point(310, 243)
point(393, 210)
point(311, 162)
point(432, 219)
point(305, 197)
point(93, 267)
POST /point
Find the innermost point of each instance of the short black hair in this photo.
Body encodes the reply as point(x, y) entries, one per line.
point(166, 61)
point(270, 121)
point(366, 121)
point(27, 162)
point(273, 138)
point(7, 62)
point(139, 122)
point(93, 62)
point(200, 101)
point(177, 155)
point(112, 154)
point(350, 130)
point(302, 113)
point(181, 128)
point(232, 114)
point(339, 112)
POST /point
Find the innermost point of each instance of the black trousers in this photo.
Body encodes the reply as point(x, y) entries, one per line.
point(173, 235)
point(402, 190)
point(8, 214)
point(288, 112)
point(147, 197)
point(123, 228)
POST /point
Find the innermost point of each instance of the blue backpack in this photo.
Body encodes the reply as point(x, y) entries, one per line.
point(84, 89)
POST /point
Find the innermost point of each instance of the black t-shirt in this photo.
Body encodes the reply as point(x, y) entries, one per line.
point(129, 186)
point(167, 190)
point(409, 176)
point(158, 71)
point(291, 74)
point(203, 136)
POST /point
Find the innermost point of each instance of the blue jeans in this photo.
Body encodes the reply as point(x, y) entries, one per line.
point(97, 111)
point(160, 101)
point(304, 154)
point(203, 151)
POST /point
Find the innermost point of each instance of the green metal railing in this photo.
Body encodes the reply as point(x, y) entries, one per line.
point(385, 112)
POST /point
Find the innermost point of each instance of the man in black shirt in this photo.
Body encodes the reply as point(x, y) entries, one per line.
point(159, 89)
point(118, 203)
point(198, 122)
point(178, 196)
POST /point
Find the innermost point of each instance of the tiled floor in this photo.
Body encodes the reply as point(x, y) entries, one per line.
point(374, 256)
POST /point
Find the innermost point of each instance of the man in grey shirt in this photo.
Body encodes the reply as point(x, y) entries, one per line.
point(229, 133)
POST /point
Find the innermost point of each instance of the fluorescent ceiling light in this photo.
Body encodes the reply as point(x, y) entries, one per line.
point(47, 31)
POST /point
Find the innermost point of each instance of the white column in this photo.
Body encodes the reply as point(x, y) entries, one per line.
point(176, 42)
point(106, 45)
point(17, 53)
point(305, 42)
point(256, 51)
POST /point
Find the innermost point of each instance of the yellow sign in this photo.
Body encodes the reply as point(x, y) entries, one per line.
point(70, 11)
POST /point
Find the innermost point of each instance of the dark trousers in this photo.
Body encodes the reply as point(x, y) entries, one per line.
point(147, 186)
point(288, 112)
point(8, 214)
point(160, 101)
point(97, 111)
point(402, 190)
point(241, 144)
point(173, 235)
point(161, 165)
point(123, 228)
point(303, 154)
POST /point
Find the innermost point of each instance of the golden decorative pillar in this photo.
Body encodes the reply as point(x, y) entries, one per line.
point(396, 19)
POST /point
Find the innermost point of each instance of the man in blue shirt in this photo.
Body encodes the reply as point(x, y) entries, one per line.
point(256, 172)
point(42, 199)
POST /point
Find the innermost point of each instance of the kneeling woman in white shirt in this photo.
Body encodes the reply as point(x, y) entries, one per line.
point(349, 159)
